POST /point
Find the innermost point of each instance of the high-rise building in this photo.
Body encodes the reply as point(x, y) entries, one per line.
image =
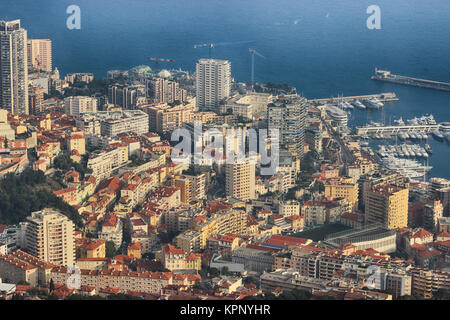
point(288, 114)
point(13, 67)
point(160, 90)
point(40, 54)
point(79, 105)
point(213, 83)
point(49, 236)
point(387, 205)
point(240, 180)
point(123, 96)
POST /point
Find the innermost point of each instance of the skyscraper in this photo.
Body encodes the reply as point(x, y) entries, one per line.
point(13, 67)
point(213, 82)
point(288, 114)
point(49, 236)
point(40, 54)
point(240, 180)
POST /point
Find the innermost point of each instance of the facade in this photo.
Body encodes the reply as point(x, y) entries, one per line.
point(78, 105)
point(191, 187)
point(50, 237)
point(343, 188)
point(387, 205)
point(104, 161)
point(288, 114)
point(160, 90)
point(13, 67)
point(164, 118)
point(213, 83)
point(40, 54)
point(123, 96)
point(240, 180)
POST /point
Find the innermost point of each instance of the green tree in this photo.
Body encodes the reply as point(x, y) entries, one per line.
point(110, 249)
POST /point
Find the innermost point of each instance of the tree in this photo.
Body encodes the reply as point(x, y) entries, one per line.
point(110, 249)
point(52, 285)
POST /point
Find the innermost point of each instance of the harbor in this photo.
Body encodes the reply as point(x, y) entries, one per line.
point(386, 75)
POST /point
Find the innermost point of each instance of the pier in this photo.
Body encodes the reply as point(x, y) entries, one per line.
point(383, 97)
point(396, 129)
point(387, 76)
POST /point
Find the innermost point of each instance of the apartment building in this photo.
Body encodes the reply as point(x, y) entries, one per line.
point(50, 237)
point(387, 205)
point(164, 117)
point(40, 54)
point(288, 114)
point(104, 161)
point(213, 83)
point(173, 258)
point(427, 282)
point(78, 105)
point(13, 67)
point(112, 230)
point(191, 187)
point(240, 180)
point(160, 90)
point(343, 188)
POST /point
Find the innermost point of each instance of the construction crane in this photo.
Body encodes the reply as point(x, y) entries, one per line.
point(253, 52)
point(158, 60)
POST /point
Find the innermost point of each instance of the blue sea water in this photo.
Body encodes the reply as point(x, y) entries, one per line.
point(321, 47)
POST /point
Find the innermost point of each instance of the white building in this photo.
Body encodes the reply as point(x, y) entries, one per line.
point(213, 82)
point(13, 67)
point(50, 237)
point(79, 105)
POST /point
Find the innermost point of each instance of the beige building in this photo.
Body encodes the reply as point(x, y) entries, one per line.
point(240, 180)
point(40, 54)
point(343, 188)
point(163, 118)
point(387, 205)
point(191, 187)
point(49, 236)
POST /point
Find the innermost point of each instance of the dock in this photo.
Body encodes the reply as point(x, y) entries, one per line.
point(383, 97)
point(368, 130)
point(387, 76)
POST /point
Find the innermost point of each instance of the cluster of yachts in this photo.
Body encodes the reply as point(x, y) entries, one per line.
point(406, 167)
point(405, 151)
point(371, 103)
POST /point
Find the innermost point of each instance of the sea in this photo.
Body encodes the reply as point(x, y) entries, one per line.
point(323, 47)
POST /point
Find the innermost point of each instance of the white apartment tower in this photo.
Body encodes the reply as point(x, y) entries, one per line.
point(79, 105)
point(49, 236)
point(240, 180)
point(213, 82)
point(13, 67)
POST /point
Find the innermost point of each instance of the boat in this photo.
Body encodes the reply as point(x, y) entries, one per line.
point(371, 103)
point(438, 135)
point(358, 104)
point(447, 137)
point(428, 149)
